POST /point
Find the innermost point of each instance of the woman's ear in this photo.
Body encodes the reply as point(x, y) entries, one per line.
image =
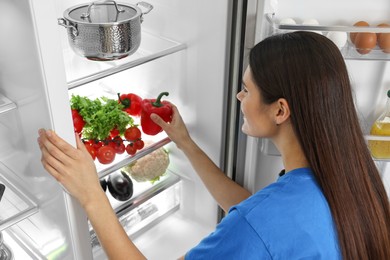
point(282, 111)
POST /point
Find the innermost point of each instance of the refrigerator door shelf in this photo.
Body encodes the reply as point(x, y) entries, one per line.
point(6, 104)
point(80, 71)
point(347, 49)
point(145, 208)
point(14, 205)
point(379, 147)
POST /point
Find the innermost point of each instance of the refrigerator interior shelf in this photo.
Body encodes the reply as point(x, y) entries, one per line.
point(149, 204)
point(377, 138)
point(121, 161)
point(80, 71)
point(6, 104)
point(379, 147)
point(14, 205)
point(348, 50)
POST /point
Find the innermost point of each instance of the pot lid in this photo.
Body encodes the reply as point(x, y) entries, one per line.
point(102, 13)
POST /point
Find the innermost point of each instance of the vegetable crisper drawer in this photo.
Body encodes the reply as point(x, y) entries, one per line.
point(145, 209)
point(15, 205)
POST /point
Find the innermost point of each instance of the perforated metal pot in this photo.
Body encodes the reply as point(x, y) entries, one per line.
point(104, 30)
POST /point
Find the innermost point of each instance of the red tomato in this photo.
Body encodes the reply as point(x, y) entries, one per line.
point(114, 132)
point(130, 149)
point(119, 148)
point(132, 133)
point(97, 144)
point(105, 154)
point(91, 151)
point(117, 140)
point(139, 144)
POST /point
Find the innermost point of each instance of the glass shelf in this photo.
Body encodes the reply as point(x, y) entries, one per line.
point(15, 205)
point(6, 104)
point(125, 159)
point(80, 70)
point(348, 50)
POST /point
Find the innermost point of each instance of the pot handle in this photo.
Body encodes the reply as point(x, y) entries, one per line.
point(148, 8)
point(66, 24)
point(86, 15)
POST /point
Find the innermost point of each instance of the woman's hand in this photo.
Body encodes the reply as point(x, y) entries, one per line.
point(176, 129)
point(72, 167)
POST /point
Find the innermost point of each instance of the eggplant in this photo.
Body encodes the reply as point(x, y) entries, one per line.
point(120, 186)
point(2, 188)
point(103, 183)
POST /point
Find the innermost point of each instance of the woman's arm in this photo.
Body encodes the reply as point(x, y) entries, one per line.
point(73, 168)
point(226, 192)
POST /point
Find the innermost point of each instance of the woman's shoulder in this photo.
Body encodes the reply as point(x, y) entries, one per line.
point(292, 209)
point(296, 186)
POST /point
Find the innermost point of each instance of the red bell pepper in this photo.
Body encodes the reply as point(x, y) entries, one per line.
point(132, 103)
point(155, 106)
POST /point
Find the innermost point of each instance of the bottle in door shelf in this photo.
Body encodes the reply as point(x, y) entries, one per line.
point(380, 149)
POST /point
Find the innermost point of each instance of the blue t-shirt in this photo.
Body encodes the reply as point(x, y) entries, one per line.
point(289, 219)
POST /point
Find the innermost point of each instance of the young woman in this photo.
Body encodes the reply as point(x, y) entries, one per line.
point(329, 204)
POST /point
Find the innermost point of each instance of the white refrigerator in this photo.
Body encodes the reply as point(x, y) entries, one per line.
point(195, 50)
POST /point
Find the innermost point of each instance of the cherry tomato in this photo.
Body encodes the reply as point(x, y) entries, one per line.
point(130, 149)
point(139, 144)
point(119, 148)
point(105, 154)
point(114, 132)
point(117, 140)
point(91, 151)
point(97, 144)
point(132, 133)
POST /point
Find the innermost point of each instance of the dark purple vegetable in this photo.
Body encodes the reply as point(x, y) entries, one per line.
point(103, 183)
point(2, 188)
point(120, 186)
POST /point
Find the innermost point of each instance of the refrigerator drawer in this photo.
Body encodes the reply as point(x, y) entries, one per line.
point(15, 205)
point(145, 209)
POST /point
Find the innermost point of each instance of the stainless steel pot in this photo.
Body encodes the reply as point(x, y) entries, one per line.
point(104, 30)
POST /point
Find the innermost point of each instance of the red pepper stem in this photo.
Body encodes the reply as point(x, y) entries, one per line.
point(125, 102)
point(157, 103)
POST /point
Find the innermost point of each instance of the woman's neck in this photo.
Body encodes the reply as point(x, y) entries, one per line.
point(290, 149)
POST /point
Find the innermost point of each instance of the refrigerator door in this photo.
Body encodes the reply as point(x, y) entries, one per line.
point(35, 82)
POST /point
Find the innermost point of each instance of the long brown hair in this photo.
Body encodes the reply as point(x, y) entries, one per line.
point(308, 71)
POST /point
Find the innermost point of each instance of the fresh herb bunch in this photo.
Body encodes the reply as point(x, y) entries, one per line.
point(101, 115)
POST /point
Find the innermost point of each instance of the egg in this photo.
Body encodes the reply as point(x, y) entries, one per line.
point(338, 38)
point(365, 42)
point(288, 21)
point(384, 39)
point(312, 21)
point(353, 35)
